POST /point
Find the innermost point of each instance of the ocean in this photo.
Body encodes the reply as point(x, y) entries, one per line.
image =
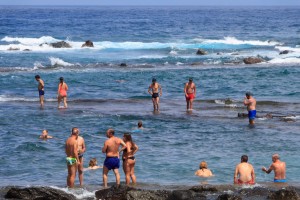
point(149, 42)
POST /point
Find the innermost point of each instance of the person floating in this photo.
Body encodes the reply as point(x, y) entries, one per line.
point(156, 91)
point(203, 171)
point(45, 135)
point(112, 161)
point(279, 168)
point(190, 94)
point(129, 159)
point(72, 159)
point(93, 164)
point(41, 90)
point(62, 92)
point(250, 102)
point(244, 172)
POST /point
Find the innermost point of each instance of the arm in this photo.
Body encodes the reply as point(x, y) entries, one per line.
point(194, 90)
point(66, 87)
point(247, 101)
point(253, 175)
point(235, 180)
point(149, 90)
point(160, 88)
point(104, 149)
point(76, 152)
point(49, 137)
point(83, 146)
point(184, 90)
point(269, 170)
point(135, 149)
point(123, 148)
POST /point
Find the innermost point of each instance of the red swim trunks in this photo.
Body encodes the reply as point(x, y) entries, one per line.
point(246, 183)
point(190, 96)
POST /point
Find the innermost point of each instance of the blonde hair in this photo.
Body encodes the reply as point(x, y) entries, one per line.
point(93, 162)
point(203, 165)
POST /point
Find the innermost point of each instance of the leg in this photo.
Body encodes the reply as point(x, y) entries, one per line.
point(191, 104)
point(71, 175)
point(58, 100)
point(105, 172)
point(251, 121)
point(157, 103)
point(187, 104)
point(132, 175)
point(80, 171)
point(126, 171)
point(65, 102)
point(117, 174)
point(42, 100)
point(153, 101)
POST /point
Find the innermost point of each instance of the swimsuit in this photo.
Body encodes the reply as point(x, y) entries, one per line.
point(112, 163)
point(71, 161)
point(190, 96)
point(279, 180)
point(155, 95)
point(41, 92)
point(251, 114)
point(131, 157)
point(248, 182)
point(80, 155)
point(62, 92)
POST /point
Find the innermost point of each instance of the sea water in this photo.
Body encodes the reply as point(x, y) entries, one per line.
point(158, 42)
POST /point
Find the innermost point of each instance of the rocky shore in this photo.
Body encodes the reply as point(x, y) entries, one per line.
point(203, 192)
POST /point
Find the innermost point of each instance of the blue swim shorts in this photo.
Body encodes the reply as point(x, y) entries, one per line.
point(112, 163)
point(251, 114)
point(279, 180)
point(41, 92)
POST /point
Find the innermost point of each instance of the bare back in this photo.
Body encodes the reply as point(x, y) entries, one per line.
point(154, 87)
point(203, 173)
point(189, 88)
point(279, 169)
point(81, 145)
point(111, 147)
point(245, 172)
point(251, 104)
point(71, 147)
point(41, 84)
point(130, 150)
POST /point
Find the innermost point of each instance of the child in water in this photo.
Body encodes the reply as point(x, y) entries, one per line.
point(203, 171)
point(45, 135)
point(93, 164)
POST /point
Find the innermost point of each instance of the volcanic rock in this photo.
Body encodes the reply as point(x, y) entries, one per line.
point(252, 60)
point(88, 43)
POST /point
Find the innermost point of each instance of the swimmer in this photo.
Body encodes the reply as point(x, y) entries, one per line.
point(93, 164)
point(190, 93)
point(62, 92)
point(250, 102)
point(40, 89)
point(244, 172)
point(279, 168)
point(156, 91)
point(203, 171)
point(45, 135)
point(140, 125)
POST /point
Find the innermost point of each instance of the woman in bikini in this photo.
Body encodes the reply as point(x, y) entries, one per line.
point(128, 158)
point(62, 92)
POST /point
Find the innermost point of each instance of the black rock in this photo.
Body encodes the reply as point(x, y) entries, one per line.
point(88, 43)
point(201, 52)
point(38, 193)
point(13, 49)
point(229, 197)
point(284, 52)
point(186, 195)
point(285, 194)
point(61, 44)
point(252, 60)
point(123, 65)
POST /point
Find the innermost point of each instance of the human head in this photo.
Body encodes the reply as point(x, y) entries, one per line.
point(140, 124)
point(275, 157)
point(61, 79)
point(190, 79)
point(153, 80)
point(248, 95)
point(127, 137)
point(110, 132)
point(75, 131)
point(244, 158)
point(93, 162)
point(203, 165)
point(37, 77)
point(44, 132)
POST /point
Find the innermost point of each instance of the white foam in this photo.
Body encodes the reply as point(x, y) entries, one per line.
point(30, 41)
point(292, 117)
point(58, 61)
point(291, 49)
point(79, 193)
point(220, 102)
point(291, 60)
point(5, 98)
point(173, 52)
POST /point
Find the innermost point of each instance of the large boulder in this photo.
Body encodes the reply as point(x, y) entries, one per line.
point(252, 60)
point(288, 193)
point(38, 193)
point(88, 43)
point(61, 44)
point(13, 49)
point(201, 52)
point(284, 52)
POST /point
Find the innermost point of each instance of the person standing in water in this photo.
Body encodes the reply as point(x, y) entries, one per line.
point(62, 92)
point(279, 168)
point(81, 149)
point(40, 89)
point(190, 93)
point(250, 102)
point(155, 90)
point(128, 158)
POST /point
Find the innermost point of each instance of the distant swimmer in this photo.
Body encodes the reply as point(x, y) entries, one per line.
point(190, 93)
point(62, 92)
point(156, 91)
point(41, 90)
point(279, 168)
point(93, 165)
point(250, 102)
point(81, 149)
point(129, 159)
point(203, 171)
point(140, 125)
point(45, 135)
point(72, 159)
point(244, 172)
point(112, 161)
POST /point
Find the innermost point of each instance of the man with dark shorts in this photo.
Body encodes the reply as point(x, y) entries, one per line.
point(112, 161)
point(250, 102)
point(279, 168)
point(190, 94)
point(40, 89)
point(156, 91)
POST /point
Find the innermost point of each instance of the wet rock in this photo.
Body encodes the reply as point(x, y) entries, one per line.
point(88, 43)
point(201, 52)
point(284, 52)
point(148, 195)
point(285, 194)
point(229, 197)
point(196, 64)
point(242, 115)
point(252, 60)
point(235, 54)
point(114, 193)
point(123, 65)
point(61, 44)
point(186, 195)
point(26, 50)
point(204, 188)
point(38, 193)
point(255, 193)
point(13, 49)
point(285, 119)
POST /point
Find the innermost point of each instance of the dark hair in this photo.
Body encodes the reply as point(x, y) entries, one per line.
point(248, 94)
point(244, 158)
point(37, 76)
point(191, 79)
point(140, 124)
point(128, 138)
point(112, 131)
point(154, 80)
point(75, 131)
point(61, 79)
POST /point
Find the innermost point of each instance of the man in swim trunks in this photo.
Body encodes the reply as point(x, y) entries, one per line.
point(112, 161)
point(279, 168)
point(72, 159)
point(244, 172)
point(155, 90)
point(40, 89)
point(62, 92)
point(250, 102)
point(81, 150)
point(190, 93)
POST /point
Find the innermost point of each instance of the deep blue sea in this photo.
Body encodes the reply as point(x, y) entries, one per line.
point(158, 42)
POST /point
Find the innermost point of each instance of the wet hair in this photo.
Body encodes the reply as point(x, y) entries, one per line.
point(93, 162)
point(154, 80)
point(190, 79)
point(140, 124)
point(61, 79)
point(128, 138)
point(112, 131)
point(203, 165)
point(75, 131)
point(244, 158)
point(276, 156)
point(45, 131)
point(248, 94)
point(37, 76)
